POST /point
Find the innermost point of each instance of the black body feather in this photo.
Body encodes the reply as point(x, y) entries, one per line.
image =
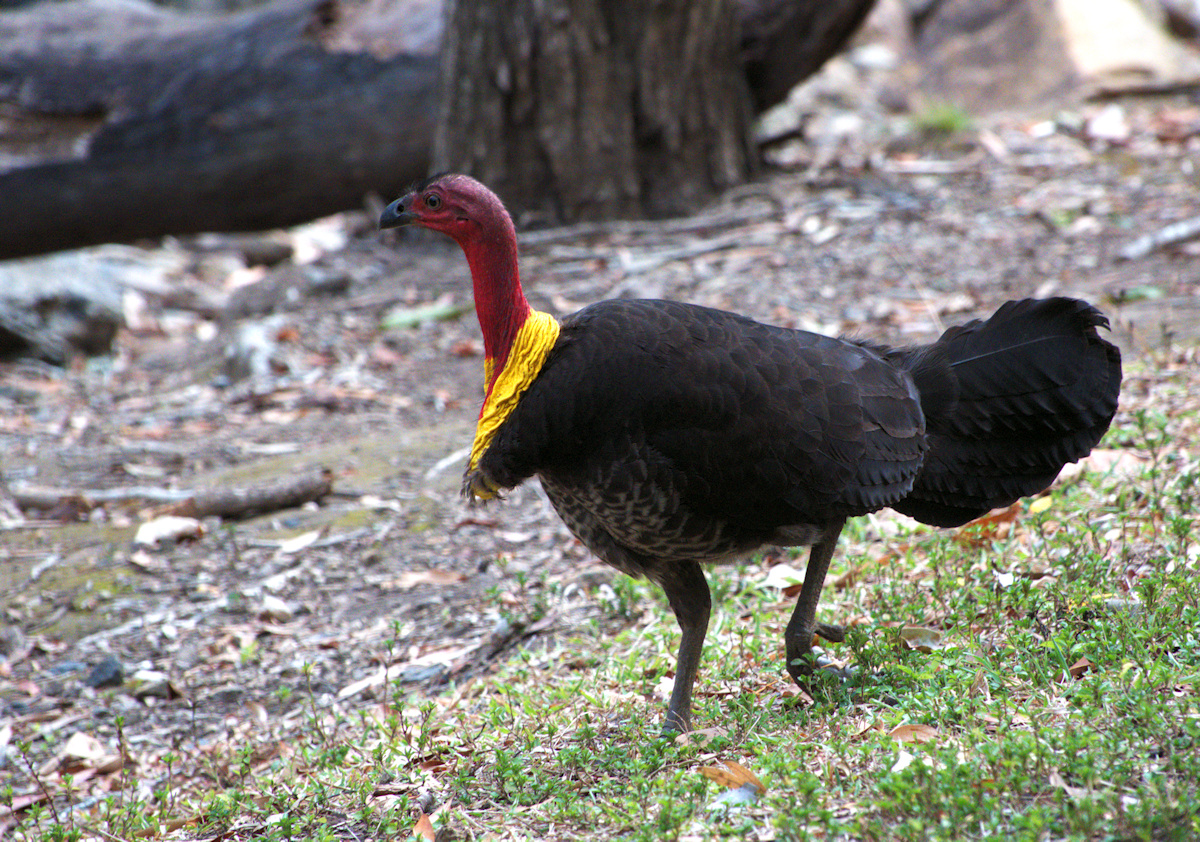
point(755, 431)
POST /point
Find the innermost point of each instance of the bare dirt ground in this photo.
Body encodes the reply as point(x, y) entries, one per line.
point(268, 616)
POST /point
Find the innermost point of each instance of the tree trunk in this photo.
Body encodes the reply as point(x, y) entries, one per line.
point(589, 109)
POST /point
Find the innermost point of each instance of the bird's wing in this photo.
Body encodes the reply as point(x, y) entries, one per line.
point(762, 425)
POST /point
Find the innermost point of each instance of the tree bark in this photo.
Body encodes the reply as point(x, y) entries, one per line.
point(119, 122)
point(589, 109)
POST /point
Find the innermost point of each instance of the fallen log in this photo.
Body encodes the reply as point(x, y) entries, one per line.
point(120, 121)
point(138, 123)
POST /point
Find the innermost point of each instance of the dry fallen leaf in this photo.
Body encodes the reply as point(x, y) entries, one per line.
point(300, 542)
point(785, 577)
point(82, 753)
point(424, 828)
point(867, 725)
point(913, 733)
point(980, 687)
point(733, 775)
point(1081, 667)
point(921, 638)
point(996, 525)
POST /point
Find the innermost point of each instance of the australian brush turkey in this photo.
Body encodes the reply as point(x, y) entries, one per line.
point(668, 434)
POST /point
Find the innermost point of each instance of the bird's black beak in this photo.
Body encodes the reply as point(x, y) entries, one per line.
point(397, 214)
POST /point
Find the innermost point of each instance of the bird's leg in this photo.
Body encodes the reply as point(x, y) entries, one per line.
point(800, 629)
point(687, 591)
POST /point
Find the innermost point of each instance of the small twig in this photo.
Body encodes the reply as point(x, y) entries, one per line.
point(930, 167)
point(633, 264)
point(1168, 88)
point(1173, 234)
point(33, 772)
point(643, 260)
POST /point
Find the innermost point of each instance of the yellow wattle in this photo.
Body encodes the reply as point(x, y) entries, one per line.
point(533, 342)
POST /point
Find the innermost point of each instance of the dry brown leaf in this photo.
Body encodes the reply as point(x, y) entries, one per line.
point(921, 638)
point(83, 755)
point(424, 828)
point(914, 733)
point(733, 775)
point(996, 525)
point(868, 725)
point(81, 746)
point(980, 687)
point(434, 765)
point(1078, 669)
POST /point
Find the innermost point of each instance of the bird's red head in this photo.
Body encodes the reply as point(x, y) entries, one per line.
point(455, 205)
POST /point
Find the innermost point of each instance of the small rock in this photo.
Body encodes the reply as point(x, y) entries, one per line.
point(1109, 124)
point(107, 673)
point(66, 668)
point(154, 684)
point(12, 640)
point(168, 529)
point(275, 609)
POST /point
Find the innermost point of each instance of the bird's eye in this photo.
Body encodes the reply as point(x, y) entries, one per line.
point(433, 201)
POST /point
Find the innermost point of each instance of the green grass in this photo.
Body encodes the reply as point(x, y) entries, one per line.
point(1057, 698)
point(941, 119)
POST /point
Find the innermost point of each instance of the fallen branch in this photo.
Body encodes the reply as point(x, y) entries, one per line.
point(238, 503)
point(227, 503)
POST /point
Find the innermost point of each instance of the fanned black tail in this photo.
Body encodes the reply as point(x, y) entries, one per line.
point(1007, 403)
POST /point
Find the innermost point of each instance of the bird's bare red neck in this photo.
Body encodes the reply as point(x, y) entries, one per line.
point(499, 300)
